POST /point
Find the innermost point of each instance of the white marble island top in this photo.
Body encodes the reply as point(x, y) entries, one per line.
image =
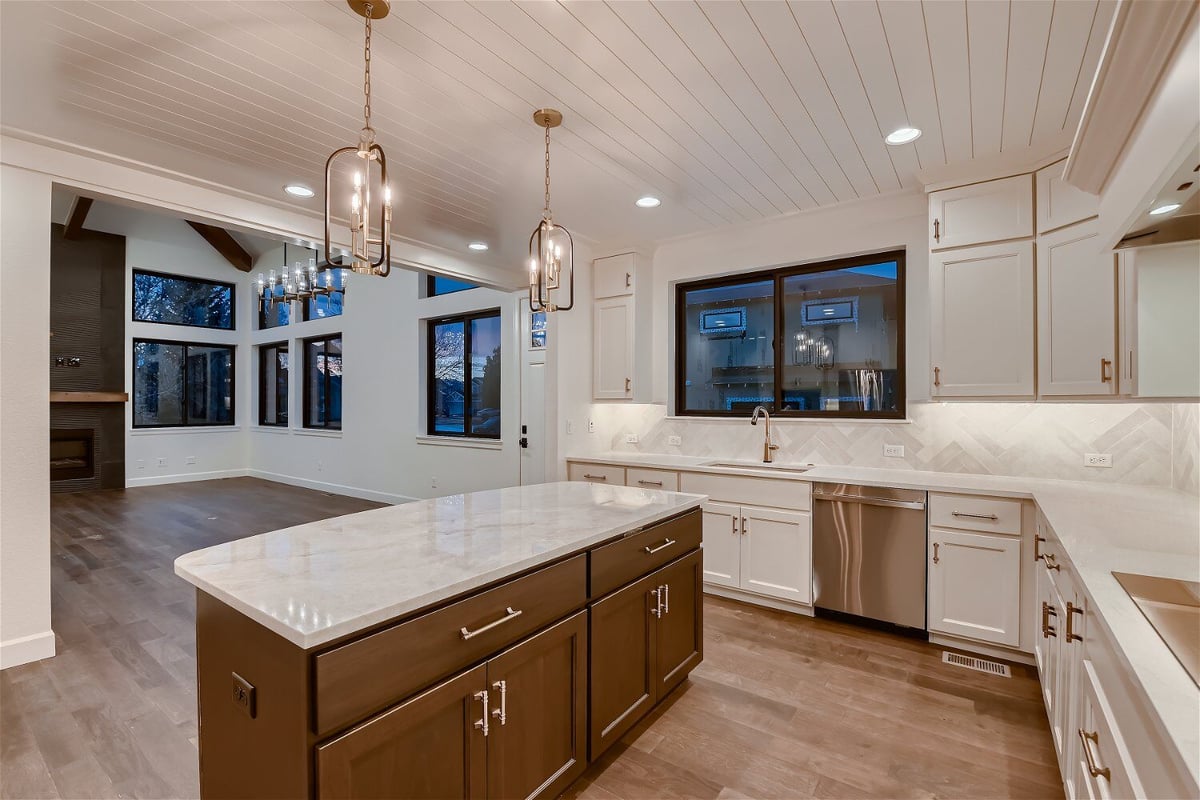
point(317, 582)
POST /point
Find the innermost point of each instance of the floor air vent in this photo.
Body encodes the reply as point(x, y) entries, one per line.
point(977, 664)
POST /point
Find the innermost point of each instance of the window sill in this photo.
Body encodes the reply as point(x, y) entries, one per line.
point(461, 441)
point(188, 429)
point(776, 420)
point(280, 430)
point(318, 432)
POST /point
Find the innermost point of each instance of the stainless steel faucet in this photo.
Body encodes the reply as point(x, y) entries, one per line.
point(768, 447)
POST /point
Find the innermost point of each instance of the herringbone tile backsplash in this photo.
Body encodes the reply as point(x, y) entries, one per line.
point(1046, 440)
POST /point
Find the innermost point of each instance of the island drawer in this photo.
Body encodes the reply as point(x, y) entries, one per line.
point(364, 676)
point(631, 557)
point(974, 513)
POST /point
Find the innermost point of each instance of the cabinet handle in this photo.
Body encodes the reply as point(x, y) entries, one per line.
point(666, 596)
point(628, 278)
point(745, 526)
point(650, 483)
point(968, 515)
point(935, 551)
point(628, 384)
point(501, 713)
point(1037, 551)
point(595, 477)
point(1072, 610)
point(1051, 562)
point(937, 235)
point(652, 550)
point(937, 376)
point(509, 616)
point(1093, 738)
point(657, 610)
point(734, 520)
point(1105, 370)
point(482, 724)
point(1048, 611)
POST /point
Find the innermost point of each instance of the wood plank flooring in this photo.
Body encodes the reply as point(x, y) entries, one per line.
point(782, 707)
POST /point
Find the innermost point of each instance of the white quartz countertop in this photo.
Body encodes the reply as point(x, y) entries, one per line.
point(314, 583)
point(1102, 526)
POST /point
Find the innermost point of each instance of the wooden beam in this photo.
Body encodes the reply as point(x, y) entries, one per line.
point(223, 242)
point(75, 220)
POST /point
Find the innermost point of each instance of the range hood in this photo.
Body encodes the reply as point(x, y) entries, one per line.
point(1180, 186)
point(1178, 228)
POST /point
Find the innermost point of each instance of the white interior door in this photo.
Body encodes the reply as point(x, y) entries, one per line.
point(533, 403)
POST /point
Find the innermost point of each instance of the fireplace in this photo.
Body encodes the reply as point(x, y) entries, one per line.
point(72, 453)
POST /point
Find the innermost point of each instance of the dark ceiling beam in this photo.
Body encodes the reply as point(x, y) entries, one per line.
point(223, 242)
point(78, 215)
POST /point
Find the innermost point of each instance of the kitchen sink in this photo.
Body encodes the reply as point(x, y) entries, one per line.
point(759, 465)
point(1172, 607)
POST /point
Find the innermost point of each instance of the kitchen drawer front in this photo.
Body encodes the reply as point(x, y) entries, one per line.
point(631, 557)
point(972, 513)
point(371, 673)
point(1102, 747)
point(642, 478)
point(768, 492)
point(596, 473)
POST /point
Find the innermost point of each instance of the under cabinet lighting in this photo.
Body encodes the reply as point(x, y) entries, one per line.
point(1166, 208)
point(648, 202)
point(298, 190)
point(903, 136)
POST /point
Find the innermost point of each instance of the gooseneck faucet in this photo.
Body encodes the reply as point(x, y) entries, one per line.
point(768, 447)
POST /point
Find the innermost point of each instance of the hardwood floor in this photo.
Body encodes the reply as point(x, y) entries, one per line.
point(782, 707)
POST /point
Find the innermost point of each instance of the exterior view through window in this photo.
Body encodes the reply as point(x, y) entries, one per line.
point(323, 382)
point(175, 300)
point(181, 384)
point(464, 375)
point(273, 384)
point(817, 340)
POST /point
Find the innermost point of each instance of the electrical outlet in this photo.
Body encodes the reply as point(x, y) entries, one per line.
point(591, 426)
point(320, 465)
point(432, 483)
point(190, 460)
point(893, 450)
point(162, 462)
point(631, 438)
point(674, 441)
point(570, 427)
point(1097, 460)
point(243, 695)
point(141, 463)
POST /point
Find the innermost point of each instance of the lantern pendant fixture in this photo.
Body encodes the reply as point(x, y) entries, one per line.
point(551, 249)
point(369, 255)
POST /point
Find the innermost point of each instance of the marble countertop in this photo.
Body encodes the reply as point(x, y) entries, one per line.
point(1102, 526)
point(314, 583)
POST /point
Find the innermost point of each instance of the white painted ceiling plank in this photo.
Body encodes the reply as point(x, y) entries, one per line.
point(946, 26)
point(987, 40)
point(1064, 53)
point(1091, 59)
point(904, 26)
point(1027, 36)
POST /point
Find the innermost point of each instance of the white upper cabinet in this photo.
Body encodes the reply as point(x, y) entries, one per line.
point(992, 211)
point(1077, 308)
point(614, 276)
point(1058, 202)
point(981, 321)
point(612, 351)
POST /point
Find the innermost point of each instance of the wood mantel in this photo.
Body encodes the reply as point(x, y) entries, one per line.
point(89, 397)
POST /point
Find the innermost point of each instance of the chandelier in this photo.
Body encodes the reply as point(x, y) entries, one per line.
point(369, 255)
point(298, 284)
point(551, 249)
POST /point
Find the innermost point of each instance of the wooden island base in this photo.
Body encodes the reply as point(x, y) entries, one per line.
point(507, 692)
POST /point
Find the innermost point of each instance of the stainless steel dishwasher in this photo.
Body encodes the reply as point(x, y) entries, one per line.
point(869, 552)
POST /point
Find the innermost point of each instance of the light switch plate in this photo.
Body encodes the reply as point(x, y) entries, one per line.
point(570, 427)
point(631, 438)
point(675, 441)
point(591, 426)
point(893, 450)
point(1097, 460)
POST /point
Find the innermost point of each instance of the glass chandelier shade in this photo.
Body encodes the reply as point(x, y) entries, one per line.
point(299, 283)
point(551, 248)
point(370, 244)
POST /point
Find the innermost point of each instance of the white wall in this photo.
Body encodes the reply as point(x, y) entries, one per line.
point(25, 633)
point(1168, 320)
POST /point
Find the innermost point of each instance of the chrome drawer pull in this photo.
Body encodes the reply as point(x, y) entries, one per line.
point(595, 477)
point(657, 610)
point(991, 517)
point(652, 550)
point(501, 713)
point(666, 595)
point(1094, 738)
point(510, 615)
point(649, 483)
point(482, 724)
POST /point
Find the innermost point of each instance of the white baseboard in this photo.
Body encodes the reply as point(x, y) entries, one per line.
point(15, 652)
point(332, 488)
point(184, 477)
point(993, 651)
point(757, 599)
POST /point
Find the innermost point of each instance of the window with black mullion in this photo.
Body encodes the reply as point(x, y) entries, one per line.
point(323, 382)
point(464, 368)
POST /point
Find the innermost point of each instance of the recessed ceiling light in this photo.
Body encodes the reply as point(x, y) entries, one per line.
point(1166, 208)
point(298, 190)
point(903, 136)
point(648, 202)
point(478, 245)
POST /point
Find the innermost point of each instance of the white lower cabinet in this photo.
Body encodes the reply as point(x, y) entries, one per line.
point(975, 586)
point(766, 551)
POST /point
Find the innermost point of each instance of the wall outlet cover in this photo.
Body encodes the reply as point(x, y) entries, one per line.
point(570, 427)
point(675, 441)
point(893, 450)
point(631, 438)
point(141, 463)
point(244, 695)
point(190, 460)
point(1103, 460)
point(162, 462)
point(591, 426)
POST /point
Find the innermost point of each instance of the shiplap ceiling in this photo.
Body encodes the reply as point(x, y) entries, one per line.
point(729, 111)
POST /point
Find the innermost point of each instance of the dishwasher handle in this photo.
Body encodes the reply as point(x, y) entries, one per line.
point(870, 501)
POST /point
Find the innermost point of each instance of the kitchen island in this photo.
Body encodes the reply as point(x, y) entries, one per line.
point(481, 645)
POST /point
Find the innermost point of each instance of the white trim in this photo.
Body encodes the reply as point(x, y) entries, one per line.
point(1004, 653)
point(185, 477)
point(461, 441)
point(25, 649)
point(172, 430)
point(278, 430)
point(785, 421)
point(332, 433)
point(333, 488)
point(757, 600)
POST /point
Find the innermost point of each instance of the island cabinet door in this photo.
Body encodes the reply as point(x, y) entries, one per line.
point(537, 693)
point(432, 746)
point(622, 660)
point(680, 622)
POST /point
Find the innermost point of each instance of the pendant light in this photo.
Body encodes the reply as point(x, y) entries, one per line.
point(551, 249)
point(362, 208)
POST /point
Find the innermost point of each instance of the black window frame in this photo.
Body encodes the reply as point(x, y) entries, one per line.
point(431, 281)
point(274, 348)
point(232, 287)
point(262, 313)
point(306, 419)
point(778, 276)
point(468, 390)
point(232, 348)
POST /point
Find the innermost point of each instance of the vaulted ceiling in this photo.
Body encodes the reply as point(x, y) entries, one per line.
point(728, 111)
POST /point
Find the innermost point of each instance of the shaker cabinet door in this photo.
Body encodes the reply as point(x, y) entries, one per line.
point(537, 691)
point(991, 211)
point(777, 553)
point(975, 586)
point(612, 349)
point(428, 747)
point(680, 621)
point(722, 544)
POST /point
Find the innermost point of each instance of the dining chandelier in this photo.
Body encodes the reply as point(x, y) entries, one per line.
point(369, 254)
point(551, 249)
point(298, 284)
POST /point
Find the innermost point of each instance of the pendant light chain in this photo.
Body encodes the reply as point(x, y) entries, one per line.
point(546, 211)
point(367, 74)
